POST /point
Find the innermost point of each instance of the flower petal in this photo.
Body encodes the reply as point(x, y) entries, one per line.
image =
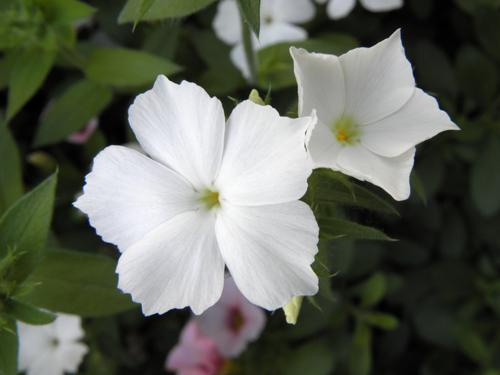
point(269, 251)
point(277, 32)
point(419, 120)
point(299, 11)
point(265, 160)
point(70, 355)
point(381, 5)
point(337, 9)
point(320, 82)
point(227, 22)
point(68, 328)
point(324, 148)
point(391, 174)
point(128, 194)
point(181, 126)
point(176, 265)
point(378, 80)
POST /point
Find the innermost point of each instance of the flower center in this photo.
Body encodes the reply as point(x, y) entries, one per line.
point(346, 130)
point(210, 199)
point(235, 320)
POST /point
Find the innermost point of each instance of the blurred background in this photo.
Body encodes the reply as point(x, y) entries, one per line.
point(428, 304)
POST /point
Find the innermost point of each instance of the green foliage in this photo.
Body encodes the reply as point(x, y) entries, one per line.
point(11, 187)
point(160, 9)
point(71, 111)
point(27, 314)
point(121, 67)
point(77, 283)
point(251, 13)
point(485, 179)
point(8, 347)
point(333, 228)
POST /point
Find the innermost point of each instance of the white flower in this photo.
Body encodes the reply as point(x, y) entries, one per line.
point(277, 24)
point(337, 9)
point(371, 115)
point(210, 196)
point(52, 349)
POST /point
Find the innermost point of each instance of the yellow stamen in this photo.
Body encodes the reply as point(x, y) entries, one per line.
point(210, 199)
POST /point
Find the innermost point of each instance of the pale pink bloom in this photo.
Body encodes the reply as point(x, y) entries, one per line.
point(196, 354)
point(232, 322)
point(82, 136)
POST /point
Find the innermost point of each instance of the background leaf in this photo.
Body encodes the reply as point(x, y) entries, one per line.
point(8, 350)
point(27, 314)
point(251, 13)
point(161, 9)
point(11, 187)
point(485, 179)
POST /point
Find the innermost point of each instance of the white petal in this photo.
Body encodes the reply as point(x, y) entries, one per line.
point(337, 9)
point(419, 120)
point(227, 22)
point(32, 343)
point(239, 60)
point(269, 250)
point(391, 174)
point(320, 82)
point(278, 32)
point(182, 127)
point(128, 194)
point(292, 11)
point(382, 5)
point(70, 355)
point(379, 80)
point(176, 265)
point(324, 148)
point(68, 328)
point(265, 160)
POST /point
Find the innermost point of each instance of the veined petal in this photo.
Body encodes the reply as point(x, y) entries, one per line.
point(419, 120)
point(291, 11)
point(227, 22)
point(381, 5)
point(321, 85)
point(181, 126)
point(378, 80)
point(324, 148)
point(337, 9)
point(269, 251)
point(391, 174)
point(128, 194)
point(265, 159)
point(176, 265)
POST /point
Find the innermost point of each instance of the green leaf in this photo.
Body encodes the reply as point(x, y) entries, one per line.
point(77, 283)
point(64, 11)
point(123, 67)
point(485, 179)
point(314, 357)
point(418, 186)
point(334, 228)
point(72, 111)
point(8, 349)
point(28, 71)
point(473, 345)
point(143, 8)
point(486, 23)
point(372, 290)
point(161, 9)
point(27, 313)
point(251, 13)
point(25, 225)
point(11, 185)
point(360, 359)
point(380, 320)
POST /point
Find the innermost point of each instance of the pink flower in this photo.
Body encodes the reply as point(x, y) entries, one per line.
point(233, 322)
point(196, 354)
point(82, 136)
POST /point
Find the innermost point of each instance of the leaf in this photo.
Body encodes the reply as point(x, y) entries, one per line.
point(485, 179)
point(360, 359)
point(473, 345)
point(143, 8)
point(372, 290)
point(28, 71)
point(78, 283)
point(380, 320)
point(8, 349)
point(314, 357)
point(64, 11)
point(418, 186)
point(11, 186)
point(72, 111)
point(28, 314)
point(161, 9)
point(251, 13)
point(25, 225)
point(333, 228)
point(486, 24)
point(123, 67)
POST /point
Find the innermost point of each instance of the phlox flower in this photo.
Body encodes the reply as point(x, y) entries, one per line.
point(232, 322)
point(196, 354)
point(371, 115)
point(337, 9)
point(204, 197)
point(52, 349)
point(278, 19)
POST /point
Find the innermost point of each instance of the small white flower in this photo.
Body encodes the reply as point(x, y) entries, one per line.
point(277, 24)
point(52, 349)
point(371, 115)
point(210, 196)
point(337, 9)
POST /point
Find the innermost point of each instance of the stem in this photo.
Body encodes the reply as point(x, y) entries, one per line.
point(249, 50)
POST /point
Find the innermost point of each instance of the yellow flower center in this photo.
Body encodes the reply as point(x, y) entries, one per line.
point(210, 199)
point(346, 130)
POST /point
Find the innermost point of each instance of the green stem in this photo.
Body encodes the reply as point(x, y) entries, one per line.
point(249, 50)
